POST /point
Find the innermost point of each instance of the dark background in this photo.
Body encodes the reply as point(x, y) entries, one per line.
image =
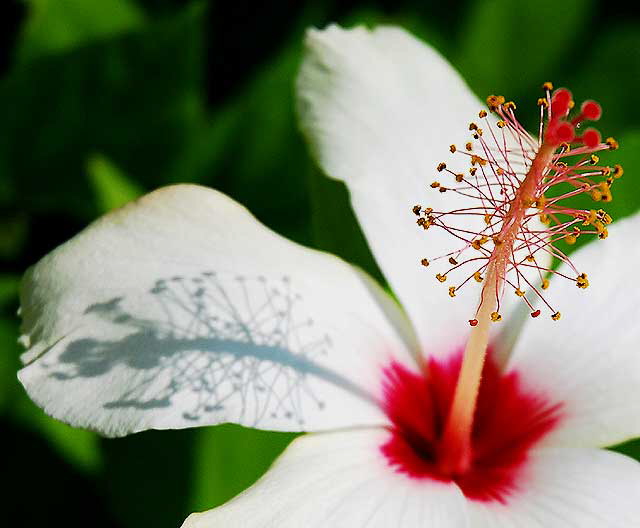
point(103, 100)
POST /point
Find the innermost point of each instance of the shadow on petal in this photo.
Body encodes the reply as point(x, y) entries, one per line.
point(231, 345)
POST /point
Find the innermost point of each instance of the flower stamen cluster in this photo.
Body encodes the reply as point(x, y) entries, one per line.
point(514, 179)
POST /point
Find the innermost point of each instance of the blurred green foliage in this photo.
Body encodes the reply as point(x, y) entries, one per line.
point(56, 26)
point(110, 186)
point(104, 100)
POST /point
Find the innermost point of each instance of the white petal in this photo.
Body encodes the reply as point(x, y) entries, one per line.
point(589, 359)
point(339, 480)
point(569, 488)
point(381, 109)
point(181, 310)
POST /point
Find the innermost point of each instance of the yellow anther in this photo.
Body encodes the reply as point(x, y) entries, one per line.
point(618, 171)
point(556, 316)
point(416, 209)
point(603, 216)
point(561, 165)
point(425, 262)
point(543, 102)
point(582, 281)
point(606, 171)
point(612, 143)
point(452, 291)
point(459, 177)
point(509, 105)
point(477, 134)
point(441, 166)
point(473, 170)
point(479, 242)
point(601, 229)
point(594, 159)
point(477, 277)
point(541, 202)
point(441, 278)
point(501, 124)
point(545, 284)
point(530, 258)
point(547, 86)
point(424, 223)
point(469, 146)
point(596, 195)
point(591, 218)
point(565, 147)
point(544, 218)
point(477, 160)
point(442, 189)
point(487, 219)
point(473, 126)
point(519, 292)
point(435, 185)
point(482, 113)
point(605, 191)
point(452, 148)
point(428, 210)
point(495, 317)
point(500, 171)
point(570, 239)
point(494, 101)
point(572, 103)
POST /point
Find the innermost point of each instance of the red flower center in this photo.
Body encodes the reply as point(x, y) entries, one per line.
point(509, 420)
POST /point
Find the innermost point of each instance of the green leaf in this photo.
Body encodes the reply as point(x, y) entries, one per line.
point(8, 365)
point(626, 192)
point(9, 285)
point(13, 234)
point(111, 186)
point(609, 73)
point(79, 447)
point(147, 477)
point(54, 26)
point(252, 151)
point(134, 98)
point(43, 486)
point(228, 459)
point(630, 448)
point(513, 47)
point(335, 227)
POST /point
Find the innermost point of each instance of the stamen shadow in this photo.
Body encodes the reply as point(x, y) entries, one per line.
point(239, 344)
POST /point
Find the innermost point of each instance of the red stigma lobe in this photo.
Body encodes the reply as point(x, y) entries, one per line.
point(591, 138)
point(590, 110)
point(560, 132)
point(509, 420)
point(561, 102)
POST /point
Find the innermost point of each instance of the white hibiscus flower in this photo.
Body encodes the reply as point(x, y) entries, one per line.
point(181, 310)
